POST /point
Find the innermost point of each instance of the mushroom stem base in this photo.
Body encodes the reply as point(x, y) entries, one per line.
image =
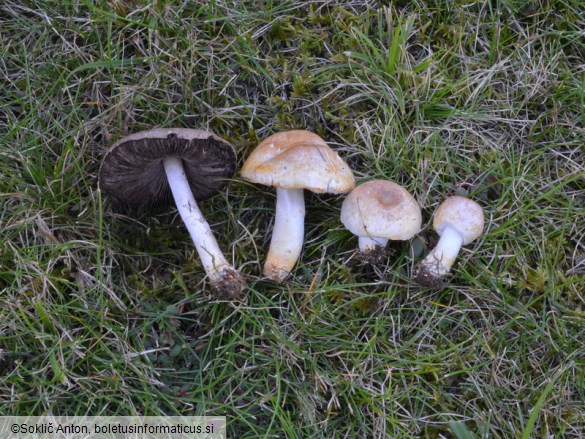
point(369, 243)
point(439, 261)
point(427, 278)
point(228, 284)
point(375, 257)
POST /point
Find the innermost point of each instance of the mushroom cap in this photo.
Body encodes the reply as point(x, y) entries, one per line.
point(463, 214)
point(298, 159)
point(381, 209)
point(132, 170)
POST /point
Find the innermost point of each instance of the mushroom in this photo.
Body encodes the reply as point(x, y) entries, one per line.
point(458, 221)
point(292, 161)
point(378, 211)
point(146, 168)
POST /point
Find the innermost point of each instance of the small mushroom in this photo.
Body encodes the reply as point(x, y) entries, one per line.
point(458, 221)
point(378, 211)
point(292, 161)
point(151, 167)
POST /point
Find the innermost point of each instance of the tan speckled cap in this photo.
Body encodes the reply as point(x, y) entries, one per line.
point(382, 209)
point(463, 214)
point(298, 159)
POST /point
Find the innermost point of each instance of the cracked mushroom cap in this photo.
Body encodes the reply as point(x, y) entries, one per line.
point(132, 170)
point(381, 209)
point(463, 214)
point(298, 159)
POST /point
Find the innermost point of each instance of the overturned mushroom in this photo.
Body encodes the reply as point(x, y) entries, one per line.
point(458, 221)
point(292, 161)
point(151, 167)
point(378, 211)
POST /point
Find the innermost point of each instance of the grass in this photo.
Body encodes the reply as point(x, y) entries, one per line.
point(103, 313)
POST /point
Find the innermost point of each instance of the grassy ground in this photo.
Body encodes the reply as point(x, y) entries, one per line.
point(103, 313)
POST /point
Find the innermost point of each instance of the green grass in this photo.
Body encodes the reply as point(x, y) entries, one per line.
point(102, 313)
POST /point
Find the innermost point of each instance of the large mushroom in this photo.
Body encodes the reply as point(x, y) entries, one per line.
point(378, 211)
point(151, 167)
point(292, 161)
point(458, 221)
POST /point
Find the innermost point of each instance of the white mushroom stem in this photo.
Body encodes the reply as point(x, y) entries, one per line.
point(370, 243)
point(288, 234)
point(212, 258)
point(439, 261)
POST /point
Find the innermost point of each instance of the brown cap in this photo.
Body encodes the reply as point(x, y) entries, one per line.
point(132, 170)
point(298, 159)
point(463, 214)
point(381, 209)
